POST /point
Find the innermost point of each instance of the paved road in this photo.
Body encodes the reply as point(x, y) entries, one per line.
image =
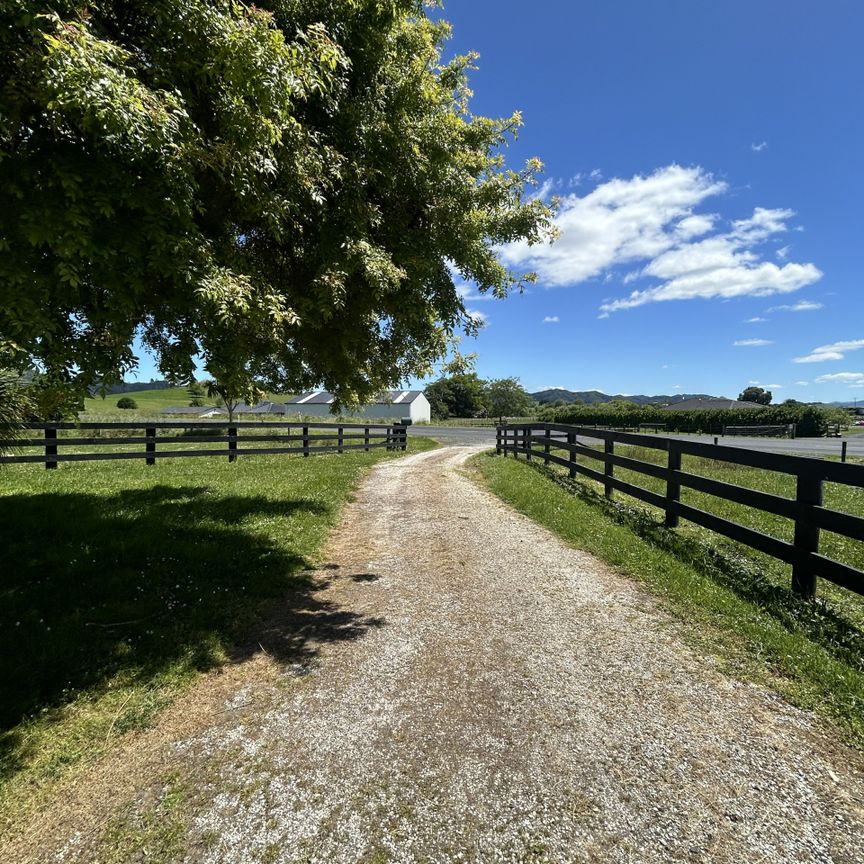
point(474, 436)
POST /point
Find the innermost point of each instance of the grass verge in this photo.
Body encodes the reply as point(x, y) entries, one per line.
point(128, 581)
point(731, 601)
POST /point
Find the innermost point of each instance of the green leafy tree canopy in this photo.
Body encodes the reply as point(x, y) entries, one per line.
point(284, 190)
point(506, 397)
point(755, 394)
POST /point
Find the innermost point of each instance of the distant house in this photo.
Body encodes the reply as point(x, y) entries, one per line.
point(394, 404)
point(193, 411)
point(710, 404)
point(269, 408)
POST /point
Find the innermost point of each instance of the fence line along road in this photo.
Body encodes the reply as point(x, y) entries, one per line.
point(309, 438)
point(806, 509)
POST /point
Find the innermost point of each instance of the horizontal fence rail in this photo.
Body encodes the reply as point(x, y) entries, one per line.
point(547, 441)
point(296, 438)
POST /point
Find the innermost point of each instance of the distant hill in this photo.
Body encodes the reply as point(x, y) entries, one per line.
point(138, 386)
point(593, 397)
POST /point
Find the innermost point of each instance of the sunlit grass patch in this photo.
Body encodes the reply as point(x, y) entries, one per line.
point(736, 602)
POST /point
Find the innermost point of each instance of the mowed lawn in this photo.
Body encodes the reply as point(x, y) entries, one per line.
point(122, 582)
point(735, 602)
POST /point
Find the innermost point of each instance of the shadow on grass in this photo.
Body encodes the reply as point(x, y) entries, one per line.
point(142, 583)
point(736, 571)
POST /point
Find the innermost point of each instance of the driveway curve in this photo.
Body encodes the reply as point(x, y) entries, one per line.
point(494, 696)
point(517, 701)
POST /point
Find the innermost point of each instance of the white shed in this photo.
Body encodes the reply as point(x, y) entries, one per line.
point(393, 404)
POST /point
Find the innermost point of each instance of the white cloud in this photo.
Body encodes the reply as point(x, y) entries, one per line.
point(619, 221)
point(758, 148)
point(756, 320)
point(649, 220)
point(754, 383)
point(596, 174)
point(677, 387)
point(551, 319)
point(853, 379)
point(783, 252)
point(802, 383)
point(479, 317)
point(834, 351)
point(470, 295)
point(800, 306)
point(773, 386)
point(752, 343)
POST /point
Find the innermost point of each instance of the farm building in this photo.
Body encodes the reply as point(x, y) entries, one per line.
point(710, 405)
point(395, 403)
point(192, 411)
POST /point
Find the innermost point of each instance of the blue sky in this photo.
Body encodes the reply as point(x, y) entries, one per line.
point(709, 159)
point(704, 150)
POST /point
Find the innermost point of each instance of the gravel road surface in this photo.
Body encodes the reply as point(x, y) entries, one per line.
point(509, 699)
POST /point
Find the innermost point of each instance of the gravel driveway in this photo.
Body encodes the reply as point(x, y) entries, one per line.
point(496, 696)
point(516, 701)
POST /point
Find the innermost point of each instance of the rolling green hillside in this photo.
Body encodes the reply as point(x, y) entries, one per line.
point(150, 403)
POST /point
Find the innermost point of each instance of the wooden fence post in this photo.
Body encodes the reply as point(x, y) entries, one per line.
point(150, 446)
point(843, 451)
point(232, 443)
point(305, 440)
point(673, 487)
point(497, 440)
point(403, 438)
point(366, 439)
point(546, 445)
point(50, 448)
point(527, 434)
point(608, 467)
point(341, 439)
point(808, 493)
point(571, 440)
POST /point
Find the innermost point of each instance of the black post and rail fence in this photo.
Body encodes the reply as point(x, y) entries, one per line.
point(560, 445)
point(100, 441)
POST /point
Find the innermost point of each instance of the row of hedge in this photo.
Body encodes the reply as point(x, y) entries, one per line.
point(809, 421)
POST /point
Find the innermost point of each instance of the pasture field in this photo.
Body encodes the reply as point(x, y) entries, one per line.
point(735, 602)
point(150, 403)
point(127, 581)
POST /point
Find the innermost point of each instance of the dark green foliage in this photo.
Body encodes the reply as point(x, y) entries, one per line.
point(809, 420)
point(506, 397)
point(755, 394)
point(53, 399)
point(466, 395)
point(283, 189)
point(126, 402)
point(457, 396)
point(15, 405)
point(196, 395)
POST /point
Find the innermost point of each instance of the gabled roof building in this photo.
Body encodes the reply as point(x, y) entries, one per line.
point(392, 404)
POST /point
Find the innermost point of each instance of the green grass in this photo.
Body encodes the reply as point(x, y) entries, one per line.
point(150, 403)
point(127, 581)
point(736, 602)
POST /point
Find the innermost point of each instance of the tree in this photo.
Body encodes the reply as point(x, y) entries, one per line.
point(15, 406)
point(457, 396)
point(126, 402)
point(196, 394)
point(507, 397)
point(755, 394)
point(51, 400)
point(227, 393)
point(284, 190)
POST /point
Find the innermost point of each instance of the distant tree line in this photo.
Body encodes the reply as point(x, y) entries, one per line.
point(809, 420)
point(467, 395)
